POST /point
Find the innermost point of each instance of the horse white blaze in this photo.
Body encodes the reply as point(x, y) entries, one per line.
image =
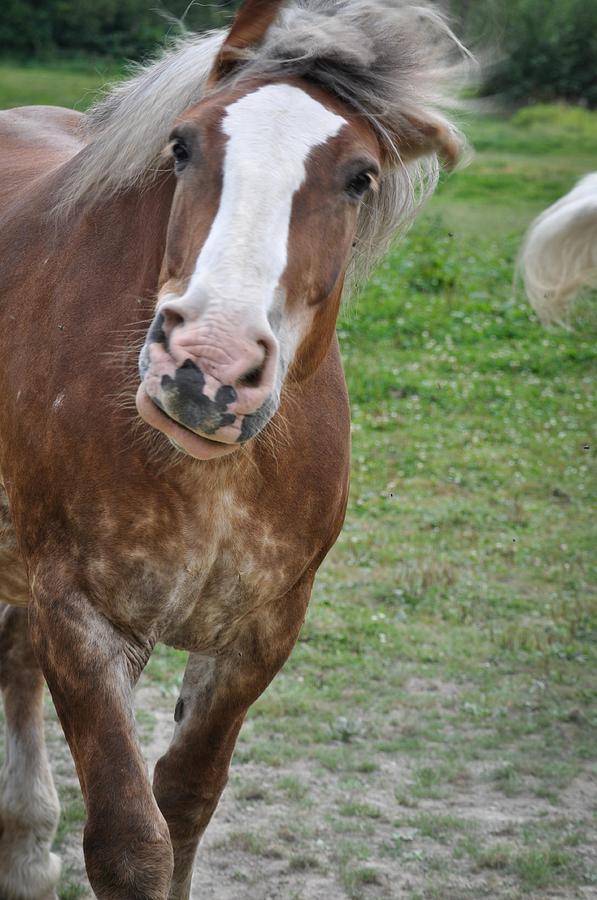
point(271, 133)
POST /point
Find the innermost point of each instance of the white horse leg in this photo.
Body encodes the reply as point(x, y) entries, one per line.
point(29, 808)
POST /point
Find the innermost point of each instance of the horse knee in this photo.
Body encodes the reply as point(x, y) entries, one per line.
point(28, 820)
point(28, 870)
point(131, 862)
point(28, 803)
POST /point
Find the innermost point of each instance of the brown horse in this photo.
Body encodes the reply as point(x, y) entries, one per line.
point(215, 203)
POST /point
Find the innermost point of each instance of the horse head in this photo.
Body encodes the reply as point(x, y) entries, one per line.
point(275, 169)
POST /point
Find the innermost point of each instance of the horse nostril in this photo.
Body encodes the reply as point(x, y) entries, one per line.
point(172, 319)
point(252, 378)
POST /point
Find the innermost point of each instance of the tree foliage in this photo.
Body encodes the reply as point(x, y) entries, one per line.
point(42, 29)
point(545, 51)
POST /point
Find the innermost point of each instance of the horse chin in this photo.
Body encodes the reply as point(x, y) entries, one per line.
point(182, 438)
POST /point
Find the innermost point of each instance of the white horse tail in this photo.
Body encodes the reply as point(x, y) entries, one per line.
point(559, 254)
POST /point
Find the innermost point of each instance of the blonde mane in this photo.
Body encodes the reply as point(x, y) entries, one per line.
point(387, 60)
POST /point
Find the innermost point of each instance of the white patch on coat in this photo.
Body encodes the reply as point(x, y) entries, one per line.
point(271, 133)
point(59, 400)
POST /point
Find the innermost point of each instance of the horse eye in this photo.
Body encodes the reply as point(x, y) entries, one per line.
point(358, 185)
point(181, 154)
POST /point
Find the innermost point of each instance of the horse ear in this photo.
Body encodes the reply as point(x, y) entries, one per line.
point(417, 136)
point(248, 28)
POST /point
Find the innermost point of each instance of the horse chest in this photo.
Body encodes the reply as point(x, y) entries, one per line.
point(226, 580)
point(192, 585)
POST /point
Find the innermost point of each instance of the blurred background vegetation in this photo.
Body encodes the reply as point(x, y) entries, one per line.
point(30, 29)
point(541, 51)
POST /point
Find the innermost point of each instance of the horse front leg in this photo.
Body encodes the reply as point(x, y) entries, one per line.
point(215, 696)
point(91, 668)
point(29, 808)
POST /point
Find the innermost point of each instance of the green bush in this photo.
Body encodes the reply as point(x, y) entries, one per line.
point(546, 51)
point(113, 28)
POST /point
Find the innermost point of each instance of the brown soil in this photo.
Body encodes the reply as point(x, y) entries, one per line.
point(262, 845)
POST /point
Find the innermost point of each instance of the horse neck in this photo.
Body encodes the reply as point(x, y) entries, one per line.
point(127, 232)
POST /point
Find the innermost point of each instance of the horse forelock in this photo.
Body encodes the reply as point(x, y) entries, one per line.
point(386, 60)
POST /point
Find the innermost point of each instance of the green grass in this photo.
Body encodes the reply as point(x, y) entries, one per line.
point(72, 891)
point(522, 164)
point(448, 651)
point(73, 85)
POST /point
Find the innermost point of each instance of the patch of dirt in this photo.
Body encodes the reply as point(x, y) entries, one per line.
point(267, 842)
point(448, 689)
